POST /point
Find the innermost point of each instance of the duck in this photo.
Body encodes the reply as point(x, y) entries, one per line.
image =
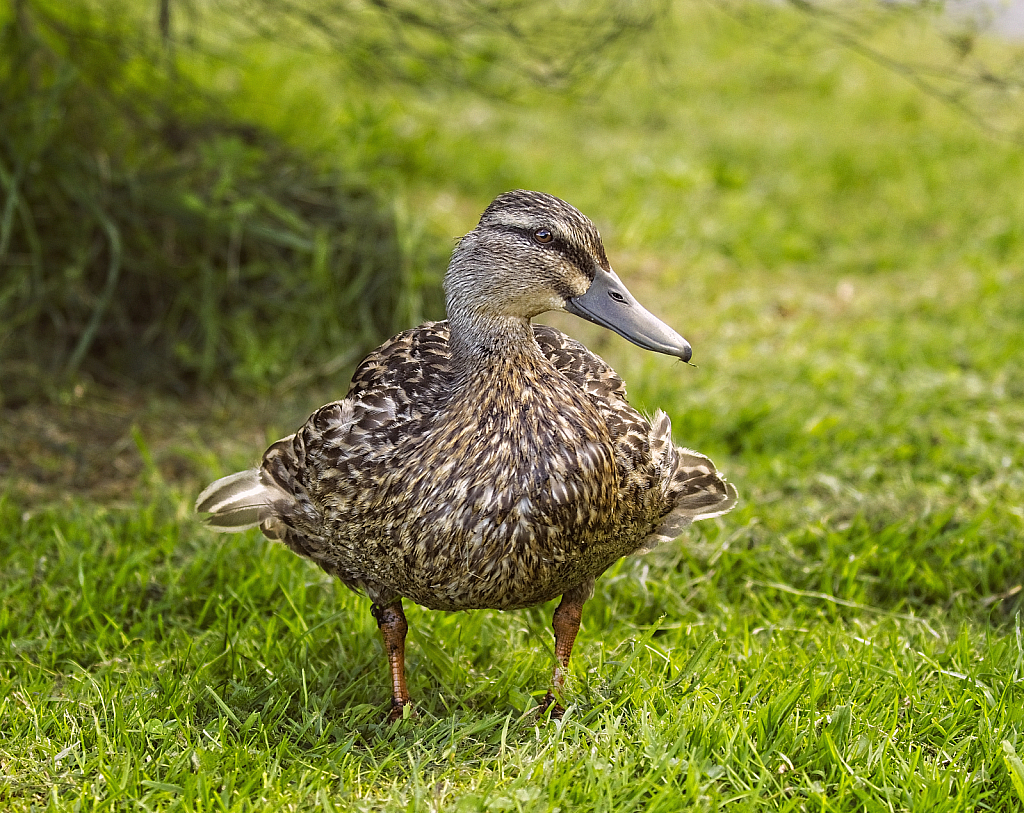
point(484, 461)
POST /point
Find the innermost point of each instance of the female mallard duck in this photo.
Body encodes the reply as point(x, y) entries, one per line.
point(484, 462)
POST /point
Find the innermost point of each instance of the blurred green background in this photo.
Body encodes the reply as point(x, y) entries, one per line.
point(209, 211)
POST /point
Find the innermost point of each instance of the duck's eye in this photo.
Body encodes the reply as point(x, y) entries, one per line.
point(543, 236)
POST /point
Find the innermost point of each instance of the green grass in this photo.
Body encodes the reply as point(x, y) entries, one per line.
point(145, 666)
point(846, 258)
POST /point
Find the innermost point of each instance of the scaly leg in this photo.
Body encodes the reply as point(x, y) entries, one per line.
point(393, 627)
point(566, 623)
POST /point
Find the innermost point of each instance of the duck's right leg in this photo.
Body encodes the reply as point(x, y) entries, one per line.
point(566, 623)
point(393, 627)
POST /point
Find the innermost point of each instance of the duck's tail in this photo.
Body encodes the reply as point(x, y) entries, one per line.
point(691, 485)
point(238, 502)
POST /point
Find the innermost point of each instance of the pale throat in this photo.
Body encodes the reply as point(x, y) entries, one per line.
point(483, 343)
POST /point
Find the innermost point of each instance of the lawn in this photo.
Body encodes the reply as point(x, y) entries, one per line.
point(846, 256)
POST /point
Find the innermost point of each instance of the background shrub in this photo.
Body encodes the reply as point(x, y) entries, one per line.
point(148, 235)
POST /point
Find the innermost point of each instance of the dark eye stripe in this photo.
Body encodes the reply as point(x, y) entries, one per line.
point(573, 253)
point(554, 242)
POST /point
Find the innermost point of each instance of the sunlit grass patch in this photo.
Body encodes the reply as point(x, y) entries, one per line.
point(143, 664)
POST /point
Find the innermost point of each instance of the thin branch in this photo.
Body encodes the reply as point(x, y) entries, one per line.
point(855, 32)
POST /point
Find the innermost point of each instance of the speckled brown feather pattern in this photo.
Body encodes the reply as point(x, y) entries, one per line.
point(570, 483)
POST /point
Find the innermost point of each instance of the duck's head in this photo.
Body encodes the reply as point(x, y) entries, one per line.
point(531, 253)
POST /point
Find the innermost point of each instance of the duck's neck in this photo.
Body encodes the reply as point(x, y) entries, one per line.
point(482, 342)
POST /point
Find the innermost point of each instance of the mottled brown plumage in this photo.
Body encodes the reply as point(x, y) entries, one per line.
point(484, 462)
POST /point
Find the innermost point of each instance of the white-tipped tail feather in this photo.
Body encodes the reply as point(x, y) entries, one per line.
point(237, 502)
point(690, 481)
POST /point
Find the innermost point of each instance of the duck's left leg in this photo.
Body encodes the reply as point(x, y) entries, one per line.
point(566, 623)
point(393, 627)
